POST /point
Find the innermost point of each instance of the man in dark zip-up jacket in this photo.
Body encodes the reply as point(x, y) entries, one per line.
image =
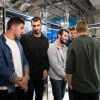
point(35, 46)
point(83, 65)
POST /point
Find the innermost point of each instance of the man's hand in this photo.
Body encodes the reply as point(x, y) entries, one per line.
point(65, 78)
point(17, 80)
point(45, 74)
point(24, 83)
point(69, 77)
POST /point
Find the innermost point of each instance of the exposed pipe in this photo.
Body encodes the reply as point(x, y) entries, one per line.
point(17, 3)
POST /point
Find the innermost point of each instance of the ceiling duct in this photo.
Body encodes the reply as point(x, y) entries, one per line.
point(24, 6)
point(2, 2)
point(92, 26)
point(16, 4)
point(96, 4)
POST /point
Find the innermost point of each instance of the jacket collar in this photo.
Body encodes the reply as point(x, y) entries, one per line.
point(55, 43)
point(4, 39)
point(31, 34)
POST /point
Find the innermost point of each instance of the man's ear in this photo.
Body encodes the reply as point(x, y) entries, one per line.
point(13, 27)
point(59, 36)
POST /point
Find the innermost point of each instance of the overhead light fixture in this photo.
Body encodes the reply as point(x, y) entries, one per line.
point(66, 19)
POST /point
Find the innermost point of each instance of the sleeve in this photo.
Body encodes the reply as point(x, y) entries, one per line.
point(25, 61)
point(70, 60)
point(44, 59)
point(54, 63)
point(26, 54)
point(6, 73)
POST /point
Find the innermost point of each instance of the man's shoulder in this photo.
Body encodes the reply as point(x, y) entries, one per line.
point(53, 45)
point(26, 35)
point(2, 38)
point(43, 36)
point(97, 42)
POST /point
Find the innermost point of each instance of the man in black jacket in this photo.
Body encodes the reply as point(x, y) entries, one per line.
point(35, 46)
point(73, 36)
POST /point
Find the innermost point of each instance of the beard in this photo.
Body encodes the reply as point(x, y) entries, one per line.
point(62, 41)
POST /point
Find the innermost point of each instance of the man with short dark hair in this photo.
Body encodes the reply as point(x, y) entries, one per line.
point(57, 53)
point(35, 46)
point(14, 69)
point(73, 33)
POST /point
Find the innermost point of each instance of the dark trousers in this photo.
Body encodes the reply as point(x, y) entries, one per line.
point(70, 94)
point(35, 84)
point(58, 88)
point(19, 94)
point(85, 96)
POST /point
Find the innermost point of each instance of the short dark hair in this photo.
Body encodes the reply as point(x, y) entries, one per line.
point(72, 28)
point(60, 32)
point(14, 21)
point(35, 19)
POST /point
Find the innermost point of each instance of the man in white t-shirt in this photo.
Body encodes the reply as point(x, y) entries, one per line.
point(14, 68)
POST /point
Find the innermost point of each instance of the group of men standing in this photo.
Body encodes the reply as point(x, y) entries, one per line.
point(26, 60)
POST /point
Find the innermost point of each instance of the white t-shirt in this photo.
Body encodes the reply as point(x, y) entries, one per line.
point(16, 56)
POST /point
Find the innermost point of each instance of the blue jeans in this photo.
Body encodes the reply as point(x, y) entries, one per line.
point(58, 88)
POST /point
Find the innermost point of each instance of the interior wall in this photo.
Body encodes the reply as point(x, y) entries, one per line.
point(97, 20)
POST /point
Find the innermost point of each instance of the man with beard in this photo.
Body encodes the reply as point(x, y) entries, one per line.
point(57, 59)
point(35, 46)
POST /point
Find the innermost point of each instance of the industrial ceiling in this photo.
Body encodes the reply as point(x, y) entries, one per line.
point(55, 8)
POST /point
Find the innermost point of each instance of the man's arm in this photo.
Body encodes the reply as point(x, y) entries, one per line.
point(25, 78)
point(45, 59)
point(45, 55)
point(26, 72)
point(69, 79)
point(69, 66)
point(6, 73)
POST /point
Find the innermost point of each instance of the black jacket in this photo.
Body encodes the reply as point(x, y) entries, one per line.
point(35, 49)
point(83, 62)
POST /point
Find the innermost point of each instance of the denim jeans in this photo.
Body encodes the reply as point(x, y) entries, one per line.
point(58, 88)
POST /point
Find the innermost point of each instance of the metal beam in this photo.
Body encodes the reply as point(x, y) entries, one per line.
point(55, 5)
point(82, 11)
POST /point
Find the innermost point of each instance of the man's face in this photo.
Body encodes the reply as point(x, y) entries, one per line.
point(36, 26)
point(18, 30)
point(64, 37)
point(73, 34)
